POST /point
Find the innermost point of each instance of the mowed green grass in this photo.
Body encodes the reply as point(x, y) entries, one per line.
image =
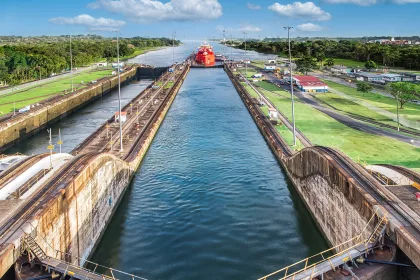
point(38, 93)
point(349, 106)
point(324, 130)
point(284, 132)
point(410, 111)
point(348, 62)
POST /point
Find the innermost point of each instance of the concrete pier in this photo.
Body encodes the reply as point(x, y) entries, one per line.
point(69, 213)
point(340, 194)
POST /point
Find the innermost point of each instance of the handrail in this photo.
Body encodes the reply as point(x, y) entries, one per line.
point(15, 154)
point(364, 242)
point(110, 269)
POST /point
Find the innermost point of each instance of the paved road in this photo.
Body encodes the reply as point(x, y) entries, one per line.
point(350, 122)
point(43, 81)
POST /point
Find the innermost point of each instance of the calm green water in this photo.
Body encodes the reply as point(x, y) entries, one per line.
point(209, 201)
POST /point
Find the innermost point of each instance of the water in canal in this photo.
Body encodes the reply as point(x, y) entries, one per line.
point(79, 125)
point(210, 200)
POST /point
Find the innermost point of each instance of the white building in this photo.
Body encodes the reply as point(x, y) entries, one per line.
point(270, 67)
point(392, 77)
point(340, 69)
point(369, 77)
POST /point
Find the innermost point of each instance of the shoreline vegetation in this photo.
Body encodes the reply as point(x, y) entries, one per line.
point(24, 59)
point(349, 53)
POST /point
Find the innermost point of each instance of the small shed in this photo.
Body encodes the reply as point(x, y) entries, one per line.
point(123, 117)
point(272, 113)
point(270, 66)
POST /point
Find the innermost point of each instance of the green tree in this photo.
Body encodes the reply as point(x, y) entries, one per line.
point(330, 62)
point(305, 64)
point(363, 87)
point(403, 92)
point(320, 56)
point(370, 64)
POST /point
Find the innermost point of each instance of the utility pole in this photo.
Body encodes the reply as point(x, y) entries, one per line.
point(60, 142)
point(291, 85)
point(50, 147)
point(71, 66)
point(119, 92)
point(145, 54)
point(246, 65)
point(398, 113)
point(173, 48)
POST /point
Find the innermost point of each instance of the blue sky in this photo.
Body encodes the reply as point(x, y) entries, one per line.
point(203, 19)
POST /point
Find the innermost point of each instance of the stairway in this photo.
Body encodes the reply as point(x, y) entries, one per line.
point(378, 231)
point(34, 248)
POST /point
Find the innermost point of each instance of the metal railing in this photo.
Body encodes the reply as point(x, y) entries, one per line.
point(2, 156)
point(28, 184)
point(342, 249)
point(60, 256)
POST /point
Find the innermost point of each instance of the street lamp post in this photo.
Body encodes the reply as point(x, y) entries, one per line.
point(119, 91)
point(246, 65)
point(173, 48)
point(291, 85)
point(71, 66)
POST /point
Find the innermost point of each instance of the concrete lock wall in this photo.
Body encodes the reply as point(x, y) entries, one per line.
point(74, 221)
point(69, 226)
point(21, 127)
point(339, 207)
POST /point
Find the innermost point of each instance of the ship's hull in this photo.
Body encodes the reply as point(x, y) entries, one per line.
point(208, 60)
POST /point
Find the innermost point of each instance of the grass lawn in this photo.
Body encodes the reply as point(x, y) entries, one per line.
point(348, 62)
point(258, 63)
point(411, 111)
point(284, 132)
point(324, 130)
point(349, 106)
point(41, 92)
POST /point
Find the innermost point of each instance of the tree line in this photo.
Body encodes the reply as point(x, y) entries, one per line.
point(407, 56)
point(31, 60)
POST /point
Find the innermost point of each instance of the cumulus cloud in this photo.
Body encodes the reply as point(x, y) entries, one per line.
point(307, 10)
point(153, 10)
point(309, 27)
point(357, 2)
point(248, 28)
point(370, 2)
point(90, 22)
point(253, 6)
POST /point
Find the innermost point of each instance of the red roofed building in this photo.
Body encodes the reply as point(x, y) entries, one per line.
point(310, 84)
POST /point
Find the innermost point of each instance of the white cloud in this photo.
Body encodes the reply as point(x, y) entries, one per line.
point(248, 28)
point(370, 2)
point(253, 6)
point(309, 27)
point(152, 10)
point(357, 2)
point(307, 10)
point(90, 22)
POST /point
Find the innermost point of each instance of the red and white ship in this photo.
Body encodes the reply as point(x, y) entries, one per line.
point(205, 55)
